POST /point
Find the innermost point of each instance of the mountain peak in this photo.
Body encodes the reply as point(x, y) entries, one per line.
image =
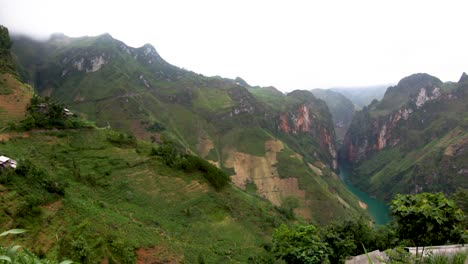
point(149, 50)
point(419, 80)
point(241, 82)
point(463, 78)
point(106, 37)
point(58, 35)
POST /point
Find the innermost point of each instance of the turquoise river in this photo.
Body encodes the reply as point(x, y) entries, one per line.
point(378, 209)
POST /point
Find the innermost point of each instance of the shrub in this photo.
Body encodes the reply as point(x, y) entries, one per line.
point(172, 157)
point(427, 219)
point(299, 245)
point(121, 139)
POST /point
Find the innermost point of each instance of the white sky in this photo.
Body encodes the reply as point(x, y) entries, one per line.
point(287, 44)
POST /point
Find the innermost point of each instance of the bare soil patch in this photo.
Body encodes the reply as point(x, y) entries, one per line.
point(157, 255)
point(262, 172)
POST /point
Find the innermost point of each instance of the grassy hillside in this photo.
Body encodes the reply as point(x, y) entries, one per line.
point(14, 95)
point(95, 198)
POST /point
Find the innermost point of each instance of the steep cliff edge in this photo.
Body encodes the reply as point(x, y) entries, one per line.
point(308, 118)
point(341, 109)
point(400, 144)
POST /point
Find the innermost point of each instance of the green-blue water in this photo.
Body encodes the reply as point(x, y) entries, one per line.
point(378, 209)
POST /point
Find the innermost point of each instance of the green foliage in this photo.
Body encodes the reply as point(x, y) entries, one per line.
point(427, 219)
point(299, 245)
point(345, 238)
point(46, 113)
point(14, 254)
point(460, 197)
point(458, 258)
point(174, 158)
point(121, 139)
point(34, 185)
point(6, 62)
point(156, 127)
point(143, 204)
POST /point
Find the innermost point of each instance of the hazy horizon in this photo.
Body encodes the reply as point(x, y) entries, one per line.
point(299, 45)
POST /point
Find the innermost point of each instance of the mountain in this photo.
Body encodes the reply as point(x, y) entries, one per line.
point(362, 96)
point(413, 140)
point(278, 147)
point(341, 109)
point(96, 195)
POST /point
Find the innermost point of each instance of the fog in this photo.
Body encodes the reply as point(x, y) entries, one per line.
point(286, 44)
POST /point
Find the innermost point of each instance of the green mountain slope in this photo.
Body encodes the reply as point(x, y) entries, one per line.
point(14, 95)
point(414, 140)
point(120, 203)
point(279, 151)
point(341, 108)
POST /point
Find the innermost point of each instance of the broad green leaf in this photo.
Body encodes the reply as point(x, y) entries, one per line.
point(3, 257)
point(12, 250)
point(13, 231)
point(66, 262)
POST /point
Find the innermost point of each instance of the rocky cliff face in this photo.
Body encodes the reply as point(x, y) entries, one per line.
point(373, 127)
point(410, 148)
point(312, 119)
point(341, 108)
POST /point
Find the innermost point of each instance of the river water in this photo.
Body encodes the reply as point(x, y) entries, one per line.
point(378, 209)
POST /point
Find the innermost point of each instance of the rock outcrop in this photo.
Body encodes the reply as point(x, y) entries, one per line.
point(311, 118)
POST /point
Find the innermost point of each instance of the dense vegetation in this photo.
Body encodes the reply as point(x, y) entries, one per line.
point(174, 158)
point(46, 113)
point(6, 62)
point(86, 198)
point(420, 220)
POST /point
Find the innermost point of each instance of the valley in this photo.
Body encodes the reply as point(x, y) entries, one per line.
point(126, 158)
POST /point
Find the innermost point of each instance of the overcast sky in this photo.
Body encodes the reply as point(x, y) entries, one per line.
point(287, 44)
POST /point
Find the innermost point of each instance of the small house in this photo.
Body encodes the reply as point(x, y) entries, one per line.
point(6, 162)
point(67, 112)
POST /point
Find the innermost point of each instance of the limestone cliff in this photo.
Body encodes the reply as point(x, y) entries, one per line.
point(407, 147)
point(373, 127)
point(310, 118)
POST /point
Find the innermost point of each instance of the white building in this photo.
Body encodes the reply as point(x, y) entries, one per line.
point(6, 162)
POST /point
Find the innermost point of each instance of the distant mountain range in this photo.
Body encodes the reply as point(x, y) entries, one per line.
point(362, 96)
point(341, 108)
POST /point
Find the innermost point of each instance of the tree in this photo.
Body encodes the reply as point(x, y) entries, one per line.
point(427, 219)
point(347, 237)
point(299, 245)
point(461, 199)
